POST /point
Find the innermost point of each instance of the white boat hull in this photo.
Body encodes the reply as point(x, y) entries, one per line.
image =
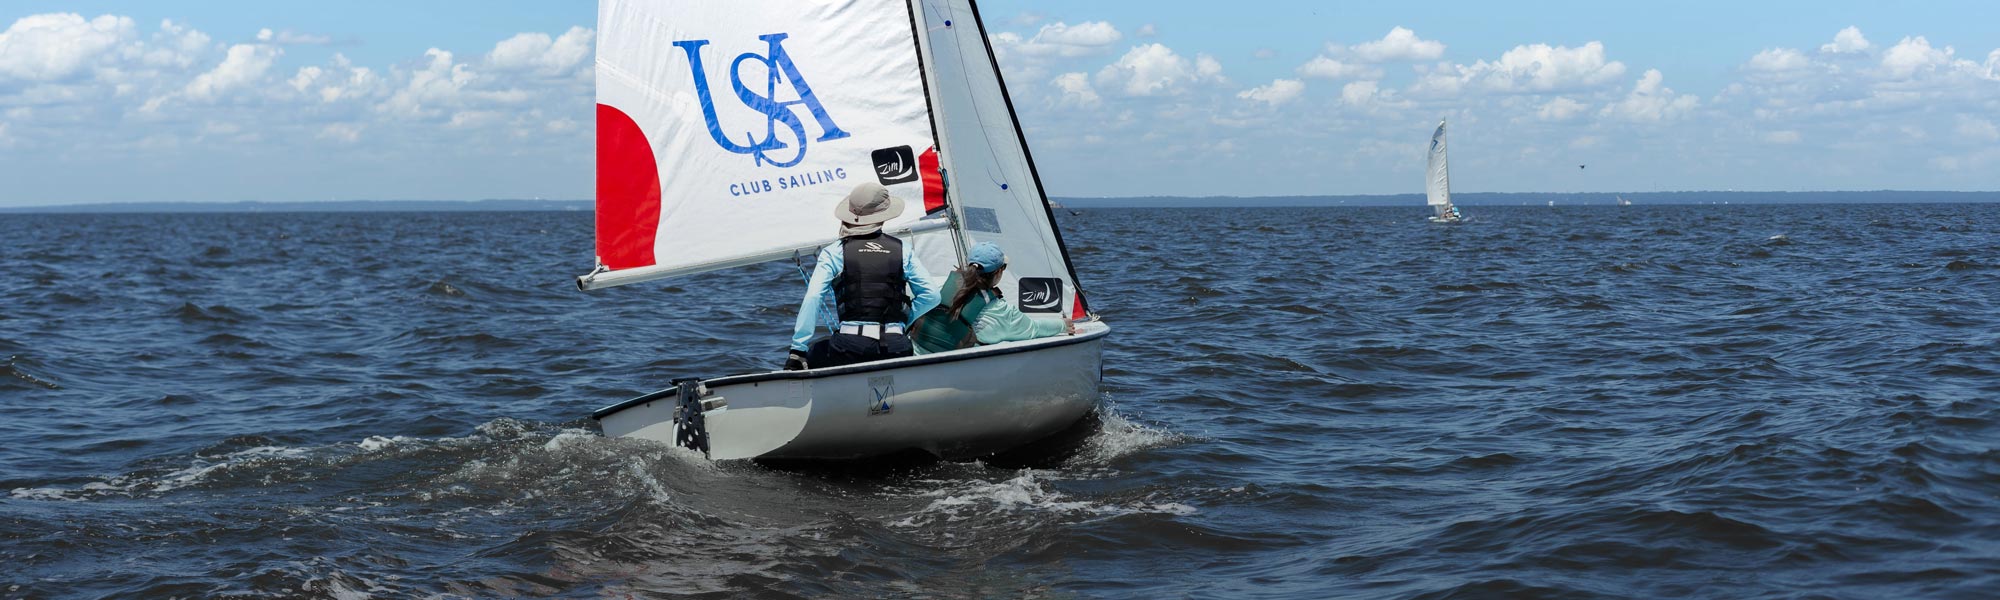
point(960, 404)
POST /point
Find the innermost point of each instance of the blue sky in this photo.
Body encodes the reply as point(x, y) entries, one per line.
point(279, 100)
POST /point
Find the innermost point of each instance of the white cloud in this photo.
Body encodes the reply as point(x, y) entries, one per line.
point(341, 132)
point(1561, 109)
point(244, 64)
point(1278, 92)
point(1651, 101)
point(54, 46)
point(1147, 30)
point(339, 80)
point(1155, 70)
point(1207, 68)
point(1527, 69)
point(1076, 91)
point(292, 38)
point(1400, 44)
point(476, 119)
point(1848, 41)
point(1264, 54)
point(1323, 67)
point(439, 82)
point(1060, 40)
point(538, 52)
point(1359, 93)
point(1090, 35)
point(1912, 55)
point(1782, 137)
point(305, 78)
point(1977, 129)
point(1778, 60)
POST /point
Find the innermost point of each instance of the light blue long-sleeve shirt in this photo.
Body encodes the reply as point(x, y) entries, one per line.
point(819, 292)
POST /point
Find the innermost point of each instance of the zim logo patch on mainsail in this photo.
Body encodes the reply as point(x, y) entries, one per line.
point(895, 165)
point(778, 67)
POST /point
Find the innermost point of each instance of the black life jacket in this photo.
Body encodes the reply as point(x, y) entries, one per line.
point(870, 286)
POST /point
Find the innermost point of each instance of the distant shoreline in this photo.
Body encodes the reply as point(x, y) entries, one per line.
point(1473, 199)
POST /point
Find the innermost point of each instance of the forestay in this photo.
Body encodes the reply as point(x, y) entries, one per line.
point(728, 129)
point(993, 183)
point(1437, 179)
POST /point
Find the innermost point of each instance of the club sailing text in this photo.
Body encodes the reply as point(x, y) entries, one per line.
point(787, 182)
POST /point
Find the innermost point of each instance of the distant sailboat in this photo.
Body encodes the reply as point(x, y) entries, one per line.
point(1623, 202)
point(1437, 182)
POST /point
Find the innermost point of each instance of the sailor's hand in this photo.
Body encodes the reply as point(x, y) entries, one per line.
point(795, 360)
point(1069, 327)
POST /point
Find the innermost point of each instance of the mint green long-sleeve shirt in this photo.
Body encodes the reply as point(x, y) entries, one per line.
point(1001, 322)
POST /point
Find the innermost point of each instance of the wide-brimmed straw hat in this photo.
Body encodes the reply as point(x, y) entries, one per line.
point(866, 209)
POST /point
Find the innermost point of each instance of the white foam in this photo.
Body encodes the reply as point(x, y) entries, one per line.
point(1118, 436)
point(42, 494)
point(200, 471)
point(376, 443)
point(1028, 492)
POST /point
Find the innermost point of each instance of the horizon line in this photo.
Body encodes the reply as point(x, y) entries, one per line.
point(559, 205)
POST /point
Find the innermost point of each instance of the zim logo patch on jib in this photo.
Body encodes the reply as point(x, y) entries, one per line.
point(895, 165)
point(1040, 294)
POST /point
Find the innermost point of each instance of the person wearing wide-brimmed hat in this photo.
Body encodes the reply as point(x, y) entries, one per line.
point(869, 280)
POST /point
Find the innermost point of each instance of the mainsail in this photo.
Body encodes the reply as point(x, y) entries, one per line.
point(1437, 178)
point(727, 130)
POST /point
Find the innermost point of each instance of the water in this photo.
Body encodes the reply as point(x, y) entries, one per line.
point(1649, 401)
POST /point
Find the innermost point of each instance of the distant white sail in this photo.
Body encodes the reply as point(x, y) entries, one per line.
point(1437, 178)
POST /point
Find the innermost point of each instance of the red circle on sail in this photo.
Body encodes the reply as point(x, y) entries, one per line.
point(628, 192)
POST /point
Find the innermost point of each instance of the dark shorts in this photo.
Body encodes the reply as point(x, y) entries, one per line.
point(846, 349)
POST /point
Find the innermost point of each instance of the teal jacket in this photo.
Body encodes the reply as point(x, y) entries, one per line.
point(999, 322)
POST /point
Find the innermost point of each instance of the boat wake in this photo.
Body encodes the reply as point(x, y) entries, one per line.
point(500, 456)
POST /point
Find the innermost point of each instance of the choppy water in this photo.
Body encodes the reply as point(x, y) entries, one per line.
point(1650, 401)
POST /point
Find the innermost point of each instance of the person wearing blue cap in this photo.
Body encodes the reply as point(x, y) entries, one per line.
point(981, 311)
point(869, 280)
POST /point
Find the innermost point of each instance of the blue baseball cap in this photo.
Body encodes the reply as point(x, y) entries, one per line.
point(987, 255)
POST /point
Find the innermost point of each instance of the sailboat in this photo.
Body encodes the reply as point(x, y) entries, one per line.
point(727, 129)
point(1623, 202)
point(1437, 182)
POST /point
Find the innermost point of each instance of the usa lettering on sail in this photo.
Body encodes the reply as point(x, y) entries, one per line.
point(778, 65)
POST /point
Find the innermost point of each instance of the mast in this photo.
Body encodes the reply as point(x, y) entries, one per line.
point(954, 213)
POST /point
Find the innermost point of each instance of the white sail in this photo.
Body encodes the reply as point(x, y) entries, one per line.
point(992, 182)
point(1437, 178)
point(727, 130)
